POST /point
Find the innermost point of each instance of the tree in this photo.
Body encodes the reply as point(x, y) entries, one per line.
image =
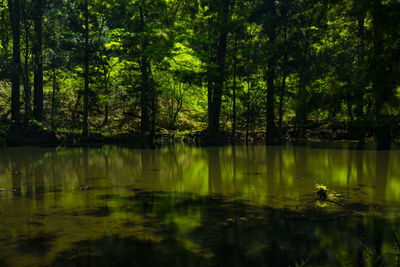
point(86, 64)
point(216, 81)
point(14, 8)
point(38, 60)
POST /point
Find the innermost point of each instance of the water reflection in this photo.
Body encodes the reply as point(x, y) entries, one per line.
point(196, 206)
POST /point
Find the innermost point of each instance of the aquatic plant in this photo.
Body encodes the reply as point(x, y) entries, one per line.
point(321, 191)
point(323, 196)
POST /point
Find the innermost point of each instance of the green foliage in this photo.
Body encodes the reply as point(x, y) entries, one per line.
point(36, 124)
point(163, 58)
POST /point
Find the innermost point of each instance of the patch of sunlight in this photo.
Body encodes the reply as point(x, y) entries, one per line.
point(185, 224)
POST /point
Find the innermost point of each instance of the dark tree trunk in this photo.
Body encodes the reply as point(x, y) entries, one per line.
point(215, 105)
point(234, 90)
point(248, 109)
point(106, 114)
point(38, 57)
point(105, 74)
point(147, 94)
point(283, 86)
point(379, 75)
point(271, 132)
point(25, 75)
point(145, 97)
point(106, 91)
point(301, 106)
point(359, 110)
point(14, 8)
point(209, 94)
point(86, 91)
point(53, 99)
point(153, 110)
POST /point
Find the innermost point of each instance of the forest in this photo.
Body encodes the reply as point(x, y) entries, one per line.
point(272, 71)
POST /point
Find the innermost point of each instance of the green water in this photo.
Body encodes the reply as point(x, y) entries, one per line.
point(188, 206)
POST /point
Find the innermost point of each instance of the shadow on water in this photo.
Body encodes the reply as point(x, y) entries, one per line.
point(38, 245)
point(228, 233)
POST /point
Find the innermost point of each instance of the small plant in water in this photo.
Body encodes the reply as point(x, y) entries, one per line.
point(321, 191)
point(322, 198)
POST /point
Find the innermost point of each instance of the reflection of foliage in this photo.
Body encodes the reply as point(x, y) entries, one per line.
point(233, 211)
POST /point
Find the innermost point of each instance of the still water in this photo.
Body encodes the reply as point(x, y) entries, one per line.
point(188, 206)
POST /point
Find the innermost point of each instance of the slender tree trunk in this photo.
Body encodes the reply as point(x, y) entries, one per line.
point(210, 96)
point(38, 57)
point(105, 74)
point(379, 73)
point(360, 80)
point(14, 8)
point(144, 94)
point(86, 91)
point(215, 111)
point(301, 109)
point(106, 91)
point(272, 136)
point(359, 111)
point(234, 90)
point(300, 116)
point(147, 96)
point(248, 110)
point(283, 86)
point(271, 132)
point(53, 98)
point(25, 80)
point(153, 110)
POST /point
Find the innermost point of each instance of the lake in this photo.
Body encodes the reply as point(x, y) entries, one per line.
point(191, 206)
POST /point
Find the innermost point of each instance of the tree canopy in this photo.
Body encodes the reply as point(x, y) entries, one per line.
point(230, 69)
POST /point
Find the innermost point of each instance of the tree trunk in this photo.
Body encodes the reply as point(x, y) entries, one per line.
point(359, 110)
point(153, 109)
point(379, 73)
point(105, 75)
point(38, 58)
point(234, 90)
point(86, 91)
point(248, 110)
point(215, 110)
point(271, 131)
point(147, 96)
point(53, 99)
point(283, 86)
point(25, 76)
point(301, 109)
point(14, 8)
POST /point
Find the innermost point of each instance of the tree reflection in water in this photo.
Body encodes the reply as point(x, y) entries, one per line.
point(187, 206)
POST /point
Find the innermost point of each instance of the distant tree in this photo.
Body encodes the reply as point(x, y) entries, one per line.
point(14, 8)
point(38, 6)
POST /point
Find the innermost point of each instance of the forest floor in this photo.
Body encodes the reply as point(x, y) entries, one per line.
point(313, 132)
